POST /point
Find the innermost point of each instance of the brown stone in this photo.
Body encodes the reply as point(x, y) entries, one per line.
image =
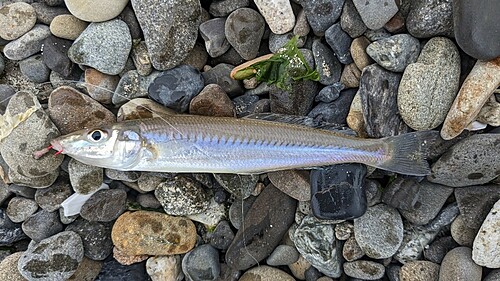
point(295, 183)
point(355, 119)
point(212, 101)
point(8, 268)
point(358, 52)
point(67, 26)
point(125, 259)
point(299, 268)
point(153, 233)
point(419, 271)
point(490, 113)
point(350, 76)
point(87, 270)
point(140, 108)
point(395, 24)
point(100, 86)
point(266, 273)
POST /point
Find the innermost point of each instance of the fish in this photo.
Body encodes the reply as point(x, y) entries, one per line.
point(202, 144)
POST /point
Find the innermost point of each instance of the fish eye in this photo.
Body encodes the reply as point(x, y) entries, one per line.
point(97, 135)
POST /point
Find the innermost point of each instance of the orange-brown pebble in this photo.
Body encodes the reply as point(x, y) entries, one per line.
point(350, 76)
point(153, 233)
point(212, 101)
point(125, 259)
point(358, 52)
point(100, 86)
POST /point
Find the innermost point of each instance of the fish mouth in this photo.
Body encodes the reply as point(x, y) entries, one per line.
point(56, 145)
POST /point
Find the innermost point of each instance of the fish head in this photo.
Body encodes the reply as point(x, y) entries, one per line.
point(107, 146)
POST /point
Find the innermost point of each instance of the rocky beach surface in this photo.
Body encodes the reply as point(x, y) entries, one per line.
point(386, 67)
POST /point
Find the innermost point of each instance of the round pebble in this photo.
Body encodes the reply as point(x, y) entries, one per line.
point(182, 196)
point(244, 29)
point(8, 268)
point(294, 183)
point(321, 14)
point(16, 19)
point(95, 10)
point(28, 44)
point(283, 255)
point(265, 272)
point(395, 53)
point(202, 263)
point(35, 69)
point(458, 264)
point(67, 26)
point(428, 19)
point(19, 209)
point(42, 225)
point(96, 238)
point(375, 14)
point(278, 15)
point(104, 205)
point(366, 270)
point(419, 271)
point(164, 268)
point(50, 198)
point(45, 13)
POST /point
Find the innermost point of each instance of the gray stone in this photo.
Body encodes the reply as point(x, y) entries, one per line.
point(2, 65)
point(10, 232)
point(472, 161)
point(240, 186)
point(485, 250)
point(170, 29)
point(238, 211)
point(377, 34)
point(21, 190)
point(351, 21)
point(113, 270)
point(327, 65)
point(96, 238)
point(351, 250)
point(340, 42)
point(436, 251)
point(373, 191)
point(401, 193)
point(344, 230)
point(366, 270)
point(197, 57)
point(316, 242)
point(429, 86)
point(212, 31)
point(222, 236)
point(219, 75)
point(128, 176)
point(265, 272)
point(334, 112)
point(202, 263)
point(329, 93)
point(149, 181)
point(38, 182)
point(84, 178)
point(16, 19)
point(295, 183)
point(458, 265)
point(140, 56)
point(42, 225)
point(321, 14)
point(45, 13)
point(396, 52)
point(244, 29)
point(283, 255)
point(35, 69)
point(104, 46)
point(494, 275)
point(376, 13)
point(6, 92)
point(54, 258)
point(223, 8)
point(148, 200)
point(104, 205)
point(297, 101)
point(132, 85)
point(55, 55)
point(20, 208)
point(392, 272)
point(429, 18)
point(379, 232)
point(28, 44)
point(278, 15)
point(182, 196)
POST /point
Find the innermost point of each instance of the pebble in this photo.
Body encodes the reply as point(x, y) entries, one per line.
point(2, 67)
point(428, 19)
point(493, 275)
point(212, 101)
point(351, 21)
point(132, 85)
point(17, 151)
point(175, 88)
point(8, 268)
point(34, 69)
point(278, 15)
point(6, 92)
point(182, 196)
point(265, 272)
point(16, 19)
point(327, 65)
point(462, 232)
point(294, 183)
point(149, 181)
point(104, 46)
point(366, 270)
point(21, 190)
point(67, 27)
point(379, 232)
point(238, 211)
point(225, 7)
point(278, 41)
point(212, 31)
point(484, 250)
point(197, 57)
point(358, 52)
point(429, 86)
point(340, 43)
point(419, 271)
point(38, 182)
point(84, 178)
point(351, 250)
point(458, 264)
point(472, 161)
point(402, 193)
point(128, 176)
point(267, 220)
point(129, 17)
point(316, 242)
point(113, 270)
point(96, 238)
point(148, 200)
point(202, 263)
point(55, 55)
point(212, 215)
point(42, 225)
point(100, 86)
point(337, 192)
point(490, 113)
point(474, 93)
point(329, 93)
point(168, 42)
point(301, 27)
point(125, 259)
point(222, 236)
point(375, 14)
point(153, 233)
point(300, 267)
point(344, 230)
point(28, 44)
point(438, 249)
point(87, 270)
point(244, 29)
point(395, 53)
point(297, 101)
point(241, 186)
point(379, 88)
point(350, 76)
point(54, 258)
point(95, 10)
point(142, 108)
point(11, 232)
point(321, 14)
point(104, 205)
point(283, 255)
point(469, 17)
point(20, 208)
point(164, 268)
point(219, 75)
point(45, 13)
point(141, 58)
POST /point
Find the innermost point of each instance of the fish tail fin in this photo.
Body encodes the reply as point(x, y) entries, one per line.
point(408, 152)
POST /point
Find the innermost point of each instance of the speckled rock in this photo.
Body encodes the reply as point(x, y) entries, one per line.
point(182, 196)
point(396, 52)
point(113, 270)
point(484, 250)
point(132, 85)
point(295, 183)
point(8, 268)
point(265, 273)
point(67, 27)
point(71, 110)
point(490, 113)
point(244, 29)
point(219, 75)
point(472, 161)
point(224, 7)
point(84, 178)
point(366, 270)
point(375, 14)
point(170, 29)
point(45, 13)
point(350, 76)
point(54, 258)
point(240, 186)
point(125, 259)
point(429, 86)
point(104, 46)
point(164, 268)
point(104, 205)
point(212, 101)
point(301, 27)
point(351, 250)
point(16, 19)
point(278, 15)
point(11, 232)
point(41, 225)
point(95, 10)
point(212, 31)
point(153, 233)
point(419, 271)
point(430, 18)
point(321, 14)
point(141, 59)
point(96, 238)
point(87, 270)
point(21, 208)
point(215, 213)
point(28, 44)
point(327, 65)
point(297, 101)
point(458, 265)
point(351, 21)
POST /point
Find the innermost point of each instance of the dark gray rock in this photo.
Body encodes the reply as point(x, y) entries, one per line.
point(378, 91)
point(114, 271)
point(105, 205)
point(392, 272)
point(376, 13)
point(96, 238)
point(283, 255)
point(429, 18)
point(373, 190)
point(238, 211)
point(351, 21)
point(402, 193)
point(396, 52)
point(327, 64)
point(41, 225)
point(128, 176)
point(458, 264)
point(222, 236)
point(321, 14)
point(21, 208)
point(245, 104)
point(377, 34)
point(176, 87)
point(240, 186)
point(148, 200)
point(202, 263)
point(21, 190)
point(266, 222)
point(212, 31)
point(10, 232)
point(494, 275)
point(334, 112)
point(2, 64)
point(244, 29)
point(28, 44)
point(230, 57)
point(132, 85)
point(312, 274)
point(438, 249)
point(55, 55)
point(337, 192)
point(472, 161)
point(223, 8)
point(297, 101)
point(182, 196)
point(170, 29)
point(366, 270)
point(278, 41)
point(329, 93)
point(6, 92)
point(219, 75)
point(128, 16)
point(45, 13)
point(54, 258)
point(340, 42)
point(34, 69)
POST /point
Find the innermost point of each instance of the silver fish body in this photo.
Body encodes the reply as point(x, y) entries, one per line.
point(229, 145)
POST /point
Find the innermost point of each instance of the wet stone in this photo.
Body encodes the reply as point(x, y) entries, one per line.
point(202, 263)
point(10, 232)
point(16, 19)
point(34, 69)
point(42, 225)
point(430, 18)
point(96, 238)
point(219, 75)
point(327, 64)
point(244, 29)
point(222, 236)
point(351, 21)
point(283, 255)
point(334, 112)
point(297, 101)
point(55, 55)
point(212, 101)
point(84, 178)
point(295, 183)
point(337, 192)
point(367, 270)
point(182, 196)
point(396, 52)
point(321, 14)
point(438, 249)
point(112, 270)
point(458, 264)
point(212, 31)
point(20, 208)
point(104, 205)
point(175, 88)
point(240, 186)
point(28, 44)
point(340, 42)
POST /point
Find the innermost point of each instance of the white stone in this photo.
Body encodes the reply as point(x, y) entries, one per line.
point(165, 268)
point(95, 10)
point(486, 247)
point(278, 15)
